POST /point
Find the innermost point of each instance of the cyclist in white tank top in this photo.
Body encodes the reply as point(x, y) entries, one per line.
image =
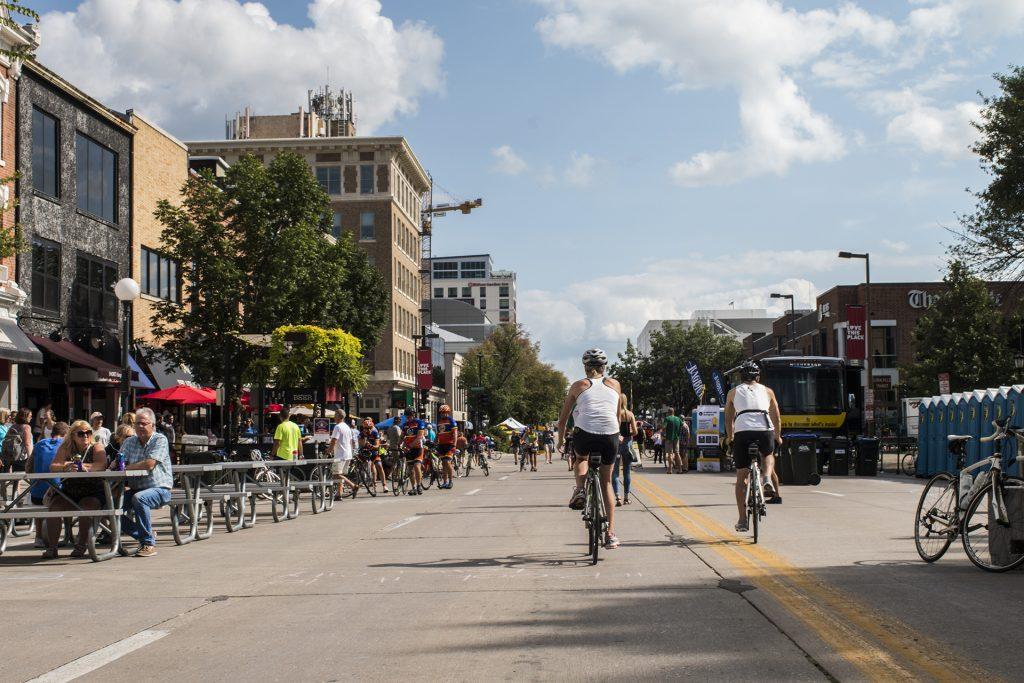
point(752, 418)
point(596, 405)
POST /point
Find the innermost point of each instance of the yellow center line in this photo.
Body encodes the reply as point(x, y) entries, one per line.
point(870, 640)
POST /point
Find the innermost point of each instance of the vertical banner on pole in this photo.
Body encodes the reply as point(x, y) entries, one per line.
point(716, 379)
point(424, 370)
point(856, 332)
point(698, 384)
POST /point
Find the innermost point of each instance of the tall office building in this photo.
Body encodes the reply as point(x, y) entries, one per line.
point(473, 280)
point(375, 185)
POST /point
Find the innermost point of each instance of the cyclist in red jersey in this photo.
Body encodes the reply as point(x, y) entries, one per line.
point(447, 436)
point(369, 449)
point(414, 436)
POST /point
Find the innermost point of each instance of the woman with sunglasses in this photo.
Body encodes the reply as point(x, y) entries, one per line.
point(78, 452)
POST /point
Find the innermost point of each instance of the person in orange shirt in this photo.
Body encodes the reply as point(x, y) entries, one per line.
point(447, 436)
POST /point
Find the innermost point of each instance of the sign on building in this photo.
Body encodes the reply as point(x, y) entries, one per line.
point(856, 346)
point(424, 369)
point(943, 382)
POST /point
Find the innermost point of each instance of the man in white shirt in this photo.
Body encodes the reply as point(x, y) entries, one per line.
point(340, 449)
point(99, 433)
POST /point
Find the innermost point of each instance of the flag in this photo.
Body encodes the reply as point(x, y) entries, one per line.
point(716, 379)
point(698, 384)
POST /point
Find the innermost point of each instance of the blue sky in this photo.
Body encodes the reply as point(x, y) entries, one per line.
point(637, 160)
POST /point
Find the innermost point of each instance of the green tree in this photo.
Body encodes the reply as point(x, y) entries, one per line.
point(336, 351)
point(993, 236)
point(633, 373)
point(963, 333)
point(12, 8)
point(671, 348)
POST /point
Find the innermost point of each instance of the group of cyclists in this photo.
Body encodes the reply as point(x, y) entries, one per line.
point(529, 443)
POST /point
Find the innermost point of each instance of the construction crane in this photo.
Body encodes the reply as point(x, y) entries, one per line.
point(427, 214)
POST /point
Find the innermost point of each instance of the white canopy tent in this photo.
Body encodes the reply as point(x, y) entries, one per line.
point(514, 424)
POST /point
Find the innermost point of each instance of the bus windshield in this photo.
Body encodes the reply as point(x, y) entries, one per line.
point(806, 391)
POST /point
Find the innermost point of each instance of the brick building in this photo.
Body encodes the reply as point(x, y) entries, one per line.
point(74, 157)
point(375, 185)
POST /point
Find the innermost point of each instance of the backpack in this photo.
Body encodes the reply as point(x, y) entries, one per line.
point(13, 448)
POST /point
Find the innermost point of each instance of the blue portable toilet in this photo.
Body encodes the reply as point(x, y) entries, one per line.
point(973, 426)
point(936, 435)
point(923, 443)
point(987, 415)
point(1009, 396)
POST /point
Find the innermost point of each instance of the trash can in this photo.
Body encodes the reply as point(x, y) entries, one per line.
point(839, 456)
point(798, 465)
point(867, 456)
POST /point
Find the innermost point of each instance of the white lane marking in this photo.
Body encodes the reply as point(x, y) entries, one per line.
point(828, 493)
point(400, 523)
point(100, 658)
point(503, 478)
point(474, 492)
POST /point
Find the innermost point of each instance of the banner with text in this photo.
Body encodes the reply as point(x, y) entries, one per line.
point(856, 346)
point(698, 384)
point(716, 379)
point(424, 369)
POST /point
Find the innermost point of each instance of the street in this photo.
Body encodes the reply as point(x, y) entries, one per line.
point(488, 581)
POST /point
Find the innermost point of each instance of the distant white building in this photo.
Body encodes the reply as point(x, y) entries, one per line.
point(734, 322)
point(472, 279)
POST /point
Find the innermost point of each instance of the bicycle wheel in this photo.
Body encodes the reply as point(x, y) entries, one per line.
point(485, 467)
point(495, 456)
point(397, 474)
point(317, 494)
point(428, 478)
point(936, 523)
point(368, 482)
point(989, 544)
point(596, 523)
point(908, 463)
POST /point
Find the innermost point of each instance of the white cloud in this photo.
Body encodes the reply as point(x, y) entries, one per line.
point(916, 121)
point(507, 161)
point(188, 63)
point(950, 18)
point(580, 172)
point(898, 247)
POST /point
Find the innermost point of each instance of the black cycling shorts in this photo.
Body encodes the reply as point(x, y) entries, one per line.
point(586, 443)
point(741, 442)
point(444, 450)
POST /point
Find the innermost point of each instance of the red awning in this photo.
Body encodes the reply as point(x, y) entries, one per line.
point(106, 373)
point(184, 395)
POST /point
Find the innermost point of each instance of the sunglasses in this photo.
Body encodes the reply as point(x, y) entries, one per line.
point(84, 433)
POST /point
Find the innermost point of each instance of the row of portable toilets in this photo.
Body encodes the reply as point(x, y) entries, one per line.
point(970, 412)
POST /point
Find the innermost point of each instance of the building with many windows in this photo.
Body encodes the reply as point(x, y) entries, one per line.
point(375, 185)
point(733, 322)
point(473, 280)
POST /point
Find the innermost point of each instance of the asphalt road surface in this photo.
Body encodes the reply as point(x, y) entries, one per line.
point(489, 581)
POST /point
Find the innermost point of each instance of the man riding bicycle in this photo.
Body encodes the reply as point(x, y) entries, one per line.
point(447, 436)
point(369, 450)
point(414, 436)
point(597, 406)
point(752, 417)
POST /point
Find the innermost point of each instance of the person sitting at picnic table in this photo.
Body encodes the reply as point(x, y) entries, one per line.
point(120, 434)
point(39, 462)
point(146, 450)
point(76, 453)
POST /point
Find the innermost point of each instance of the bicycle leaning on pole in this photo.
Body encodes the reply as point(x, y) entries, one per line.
point(973, 506)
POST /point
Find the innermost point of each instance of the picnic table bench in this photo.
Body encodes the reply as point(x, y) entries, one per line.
point(107, 518)
point(291, 481)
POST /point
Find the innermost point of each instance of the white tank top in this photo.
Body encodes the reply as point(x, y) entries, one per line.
point(754, 398)
point(597, 408)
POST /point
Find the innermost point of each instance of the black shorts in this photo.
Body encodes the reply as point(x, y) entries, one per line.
point(585, 443)
point(444, 450)
point(741, 442)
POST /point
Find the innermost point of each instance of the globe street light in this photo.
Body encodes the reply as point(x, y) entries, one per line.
point(126, 290)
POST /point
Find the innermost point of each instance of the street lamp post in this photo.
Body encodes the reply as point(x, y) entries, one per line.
point(867, 323)
point(126, 290)
point(1018, 364)
point(792, 316)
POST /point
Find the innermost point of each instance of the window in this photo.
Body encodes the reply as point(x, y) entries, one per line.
point(95, 178)
point(503, 290)
point(45, 274)
point(465, 291)
point(160, 276)
point(503, 317)
point(336, 224)
point(483, 292)
point(473, 269)
point(94, 298)
point(366, 179)
point(883, 346)
point(438, 292)
point(329, 178)
point(366, 225)
point(453, 292)
point(483, 304)
point(45, 141)
point(503, 304)
point(446, 270)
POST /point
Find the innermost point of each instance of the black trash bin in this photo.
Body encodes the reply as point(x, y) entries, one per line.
point(839, 456)
point(798, 465)
point(867, 456)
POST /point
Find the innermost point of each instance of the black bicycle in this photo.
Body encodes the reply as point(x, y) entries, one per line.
point(595, 516)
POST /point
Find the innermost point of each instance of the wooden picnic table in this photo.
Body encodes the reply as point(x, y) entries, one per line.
point(107, 518)
point(284, 503)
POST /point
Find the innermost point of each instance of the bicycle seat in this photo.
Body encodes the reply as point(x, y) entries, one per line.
point(959, 437)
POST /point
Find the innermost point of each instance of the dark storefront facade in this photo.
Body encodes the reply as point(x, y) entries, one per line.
point(74, 157)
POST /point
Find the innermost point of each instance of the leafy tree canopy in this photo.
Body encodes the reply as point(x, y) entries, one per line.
point(336, 351)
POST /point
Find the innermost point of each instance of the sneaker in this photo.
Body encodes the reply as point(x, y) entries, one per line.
point(78, 552)
point(611, 542)
point(39, 543)
point(741, 527)
point(775, 500)
point(769, 490)
point(50, 554)
point(578, 500)
point(146, 551)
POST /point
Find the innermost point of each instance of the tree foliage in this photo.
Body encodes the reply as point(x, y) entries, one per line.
point(15, 7)
point(516, 383)
point(963, 333)
point(254, 256)
point(337, 352)
point(993, 236)
point(660, 379)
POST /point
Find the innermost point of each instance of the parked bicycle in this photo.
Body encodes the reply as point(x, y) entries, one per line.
point(973, 506)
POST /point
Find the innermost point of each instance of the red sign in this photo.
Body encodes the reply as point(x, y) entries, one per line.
point(424, 369)
point(856, 317)
point(943, 382)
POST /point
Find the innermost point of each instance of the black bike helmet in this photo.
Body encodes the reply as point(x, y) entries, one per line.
point(595, 358)
point(749, 370)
